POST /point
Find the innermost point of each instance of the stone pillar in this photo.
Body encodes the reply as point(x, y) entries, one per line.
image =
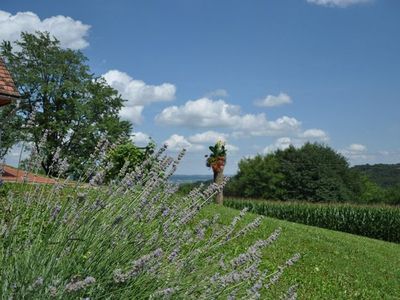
point(219, 179)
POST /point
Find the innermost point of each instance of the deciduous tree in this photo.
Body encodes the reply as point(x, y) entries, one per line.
point(72, 105)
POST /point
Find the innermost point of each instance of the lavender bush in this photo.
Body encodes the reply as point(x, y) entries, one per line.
point(133, 238)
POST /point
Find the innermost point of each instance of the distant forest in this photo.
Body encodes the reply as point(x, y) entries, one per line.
point(384, 175)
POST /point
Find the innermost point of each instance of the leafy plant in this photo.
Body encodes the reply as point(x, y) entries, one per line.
point(217, 159)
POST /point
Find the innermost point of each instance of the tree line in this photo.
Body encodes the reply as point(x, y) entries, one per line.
point(385, 175)
point(313, 172)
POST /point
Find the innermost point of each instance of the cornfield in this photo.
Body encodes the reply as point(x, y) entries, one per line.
point(379, 222)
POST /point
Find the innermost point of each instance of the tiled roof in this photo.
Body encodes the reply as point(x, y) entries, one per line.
point(7, 86)
point(11, 174)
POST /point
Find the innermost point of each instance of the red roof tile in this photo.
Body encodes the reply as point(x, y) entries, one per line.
point(12, 174)
point(8, 90)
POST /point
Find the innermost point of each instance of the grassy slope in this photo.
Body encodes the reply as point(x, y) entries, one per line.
point(334, 265)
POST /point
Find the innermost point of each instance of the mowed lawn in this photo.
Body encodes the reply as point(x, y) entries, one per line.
point(334, 265)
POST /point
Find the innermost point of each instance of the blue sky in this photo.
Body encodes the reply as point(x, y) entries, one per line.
point(260, 74)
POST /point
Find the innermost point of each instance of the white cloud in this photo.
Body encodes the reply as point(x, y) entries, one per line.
point(178, 142)
point(309, 135)
point(208, 137)
point(203, 112)
point(71, 33)
point(338, 3)
point(211, 137)
point(281, 144)
point(357, 148)
point(356, 152)
point(271, 101)
point(140, 138)
point(137, 93)
point(231, 148)
point(219, 93)
point(360, 154)
point(132, 113)
point(315, 134)
point(258, 125)
point(208, 113)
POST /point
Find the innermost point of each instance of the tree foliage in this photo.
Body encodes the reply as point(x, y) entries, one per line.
point(127, 156)
point(258, 177)
point(385, 175)
point(316, 172)
point(313, 172)
point(72, 105)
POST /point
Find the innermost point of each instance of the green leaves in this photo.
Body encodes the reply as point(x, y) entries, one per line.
point(129, 155)
point(313, 172)
point(258, 177)
point(218, 151)
point(75, 107)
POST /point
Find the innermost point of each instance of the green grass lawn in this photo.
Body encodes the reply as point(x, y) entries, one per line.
point(334, 265)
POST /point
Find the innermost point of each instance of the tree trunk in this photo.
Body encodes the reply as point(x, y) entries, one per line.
point(219, 179)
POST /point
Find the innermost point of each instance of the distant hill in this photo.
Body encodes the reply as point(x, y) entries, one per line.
point(385, 175)
point(190, 178)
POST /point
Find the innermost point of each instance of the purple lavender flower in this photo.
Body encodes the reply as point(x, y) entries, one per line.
point(80, 285)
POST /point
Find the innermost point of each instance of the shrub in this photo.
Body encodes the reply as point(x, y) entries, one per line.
point(379, 222)
point(130, 239)
point(127, 156)
point(392, 195)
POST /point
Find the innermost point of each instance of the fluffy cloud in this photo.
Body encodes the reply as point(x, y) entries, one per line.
point(178, 142)
point(358, 153)
point(271, 101)
point(140, 138)
point(309, 135)
point(207, 113)
point(338, 3)
point(355, 152)
point(315, 134)
point(281, 144)
point(208, 137)
point(203, 112)
point(137, 93)
point(231, 148)
point(357, 148)
point(258, 125)
point(132, 113)
point(71, 33)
